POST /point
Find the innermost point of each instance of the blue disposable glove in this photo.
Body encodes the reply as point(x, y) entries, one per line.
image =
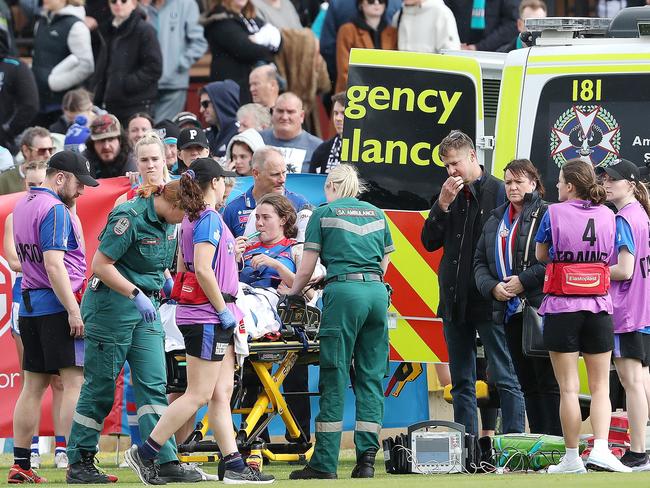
point(167, 287)
point(145, 307)
point(226, 319)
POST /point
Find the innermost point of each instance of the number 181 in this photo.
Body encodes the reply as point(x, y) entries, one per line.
point(586, 90)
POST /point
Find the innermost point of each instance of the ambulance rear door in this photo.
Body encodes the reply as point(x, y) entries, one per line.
point(400, 106)
point(589, 101)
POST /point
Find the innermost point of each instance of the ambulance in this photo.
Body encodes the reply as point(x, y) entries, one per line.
point(581, 90)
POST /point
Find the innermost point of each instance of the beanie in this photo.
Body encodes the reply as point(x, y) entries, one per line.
point(75, 138)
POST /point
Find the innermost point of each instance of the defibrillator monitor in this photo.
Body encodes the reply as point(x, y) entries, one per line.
point(437, 452)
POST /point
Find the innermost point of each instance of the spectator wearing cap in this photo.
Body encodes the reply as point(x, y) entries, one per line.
point(287, 134)
point(192, 144)
point(231, 27)
point(186, 120)
point(253, 116)
point(18, 96)
point(265, 85)
point(77, 134)
point(35, 145)
point(239, 154)
point(219, 104)
point(129, 64)
point(169, 133)
point(182, 44)
point(63, 57)
point(108, 149)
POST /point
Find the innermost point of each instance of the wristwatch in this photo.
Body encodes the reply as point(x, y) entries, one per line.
point(134, 293)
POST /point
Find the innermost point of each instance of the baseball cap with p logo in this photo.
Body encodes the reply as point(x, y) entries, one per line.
point(192, 137)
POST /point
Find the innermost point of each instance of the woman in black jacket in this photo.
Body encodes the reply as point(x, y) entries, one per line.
point(233, 34)
point(502, 274)
point(129, 64)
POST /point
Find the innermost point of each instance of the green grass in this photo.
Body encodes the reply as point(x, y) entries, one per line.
point(127, 479)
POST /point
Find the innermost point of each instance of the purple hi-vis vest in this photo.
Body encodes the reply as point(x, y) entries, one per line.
point(630, 297)
point(581, 233)
point(29, 213)
point(225, 270)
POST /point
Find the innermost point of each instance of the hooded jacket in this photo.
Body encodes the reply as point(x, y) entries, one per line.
point(224, 96)
point(129, 65)
point(250, 137)
point(233, 53)
point(63, 56)
point(181, 40)
point(18, 95)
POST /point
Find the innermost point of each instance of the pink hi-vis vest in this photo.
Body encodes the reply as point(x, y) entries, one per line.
point(581, 233)
point(631, 297)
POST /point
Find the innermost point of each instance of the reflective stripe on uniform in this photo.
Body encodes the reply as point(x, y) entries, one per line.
point(87, 422)
point(329, 426)
point(151, 410)
point(361, 230)
point(311, 246)
point(389, 249)
point(362, 426)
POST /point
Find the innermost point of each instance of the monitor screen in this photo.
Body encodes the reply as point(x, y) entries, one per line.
point(432, 450)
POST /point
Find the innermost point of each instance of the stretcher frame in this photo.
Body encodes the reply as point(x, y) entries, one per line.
point(270, 401)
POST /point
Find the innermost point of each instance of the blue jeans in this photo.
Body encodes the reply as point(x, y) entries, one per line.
point(461, 344)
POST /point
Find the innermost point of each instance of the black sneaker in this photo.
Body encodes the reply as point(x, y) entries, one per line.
point(309, 473)
point(638, 462)
point(248, 476)
point(175, 472)
point(365, 467)
point(85, 472)
point(146, 469)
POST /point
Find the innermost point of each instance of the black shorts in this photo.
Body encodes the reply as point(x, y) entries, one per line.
point(588, 332)
point(629, 345)
point(646, 349)
point(206, 341)
point(48, 344)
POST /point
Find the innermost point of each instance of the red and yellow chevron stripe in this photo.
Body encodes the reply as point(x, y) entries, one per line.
point(418, 336)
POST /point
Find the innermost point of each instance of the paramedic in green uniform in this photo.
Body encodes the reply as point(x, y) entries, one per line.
point(120, 310)
point(353, 241)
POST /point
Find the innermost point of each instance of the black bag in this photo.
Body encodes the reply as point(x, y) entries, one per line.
point(532, 336)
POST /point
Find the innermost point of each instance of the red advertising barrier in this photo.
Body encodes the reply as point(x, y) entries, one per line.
point(93, 208)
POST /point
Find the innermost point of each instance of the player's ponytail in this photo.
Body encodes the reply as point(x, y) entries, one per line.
point(191, 195)
point(583, 178)
point(642, 196)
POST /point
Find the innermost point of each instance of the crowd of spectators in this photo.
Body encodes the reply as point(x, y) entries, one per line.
point(104, 72)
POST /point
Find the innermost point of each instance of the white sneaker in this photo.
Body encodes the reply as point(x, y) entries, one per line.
point(61, 460)
point(567, 467)
point(604, 460)
point(35, 460)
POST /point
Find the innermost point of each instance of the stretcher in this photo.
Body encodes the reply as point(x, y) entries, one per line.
point(270, 362)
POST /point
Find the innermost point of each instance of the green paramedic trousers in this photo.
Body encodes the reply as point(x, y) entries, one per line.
point(114, 333)
point(354, 324)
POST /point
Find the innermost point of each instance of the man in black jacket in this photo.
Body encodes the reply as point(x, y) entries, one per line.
point(18, 94)
point(487, 28)
point(455, 222)
point(129, 64)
